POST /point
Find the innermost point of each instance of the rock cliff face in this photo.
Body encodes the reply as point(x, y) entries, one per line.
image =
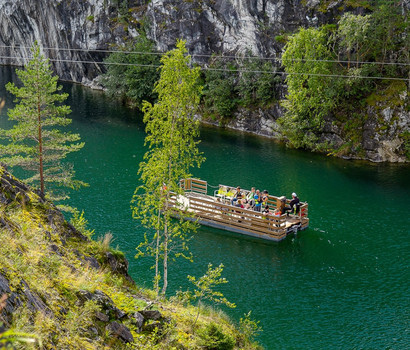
point(64, 30)
point(73, 33)
point(231, 26)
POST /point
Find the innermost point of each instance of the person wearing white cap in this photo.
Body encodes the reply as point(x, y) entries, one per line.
point(295, 202)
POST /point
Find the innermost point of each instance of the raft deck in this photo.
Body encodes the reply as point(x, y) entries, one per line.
point(216, 211)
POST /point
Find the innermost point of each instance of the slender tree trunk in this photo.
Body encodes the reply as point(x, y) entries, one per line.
point(40, 143)
point(164, 288)
point(157, 257)
point(197, 314)
point(166, 238)
point(166, 217)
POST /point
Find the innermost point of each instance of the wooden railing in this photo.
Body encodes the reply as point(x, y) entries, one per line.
point(234, 217)
point(194, 185)
point(218, 211)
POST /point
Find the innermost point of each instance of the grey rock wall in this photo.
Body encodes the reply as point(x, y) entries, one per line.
point(63, 29)
point(209, 26)
point(224, 26)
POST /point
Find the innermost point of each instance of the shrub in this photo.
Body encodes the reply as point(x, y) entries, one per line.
point(213, 338)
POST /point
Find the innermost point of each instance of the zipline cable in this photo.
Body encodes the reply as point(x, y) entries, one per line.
point(206, 55)
point(218, 69)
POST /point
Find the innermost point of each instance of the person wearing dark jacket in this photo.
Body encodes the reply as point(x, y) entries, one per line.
point(294, 204)
point(237, 196)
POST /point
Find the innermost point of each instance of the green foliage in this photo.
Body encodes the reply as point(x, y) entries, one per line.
point(204, 288)
point(9, 338)
point(171, 136)
point(80, 223)
point(121, 5)
point(205, 285)
point(314, 57)
point(247, 82)
point(36, 142)
point(353, 35)
point(219, 89)
point(256, 84)
point(311, 94)
point(282, 38)
point(406, 139)
point(131, 76)
point(249, 327)
point(214, 338)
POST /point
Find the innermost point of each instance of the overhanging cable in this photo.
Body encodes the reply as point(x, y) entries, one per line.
point(206, 55)
point(216, 69)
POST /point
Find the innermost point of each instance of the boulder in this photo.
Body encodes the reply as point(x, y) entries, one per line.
point(87, 260)
point(21, 295)
point(102, 317)
point(154, 315)
point(120, 331)
point(138, 320)
point(118, 265)
point(103, 300)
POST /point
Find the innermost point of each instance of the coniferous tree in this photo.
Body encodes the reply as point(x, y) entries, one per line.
point(36, 142)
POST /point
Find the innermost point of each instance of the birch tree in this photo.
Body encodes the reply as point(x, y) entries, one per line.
point(172, 133)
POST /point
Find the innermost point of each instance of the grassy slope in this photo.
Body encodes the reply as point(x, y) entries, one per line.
point(45, 260)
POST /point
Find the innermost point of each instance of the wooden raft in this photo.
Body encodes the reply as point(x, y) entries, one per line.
point(216, 211)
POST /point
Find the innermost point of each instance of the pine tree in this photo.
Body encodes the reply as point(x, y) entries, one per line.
point(36, 142)
point(171, 136)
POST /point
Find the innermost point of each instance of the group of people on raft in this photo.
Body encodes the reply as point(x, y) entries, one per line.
point(258, 201)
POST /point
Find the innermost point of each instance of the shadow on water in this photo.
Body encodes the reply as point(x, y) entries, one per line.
point(92, 105)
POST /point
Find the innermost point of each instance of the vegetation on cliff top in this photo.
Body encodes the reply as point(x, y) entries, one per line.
point(71, 292)
point(340, 72)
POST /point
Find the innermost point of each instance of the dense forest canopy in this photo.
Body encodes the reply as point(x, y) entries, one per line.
point(336, 71)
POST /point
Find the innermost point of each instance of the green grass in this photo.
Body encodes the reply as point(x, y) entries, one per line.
point(56, 278)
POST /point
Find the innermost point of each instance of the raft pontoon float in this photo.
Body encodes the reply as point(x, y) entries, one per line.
point(216, 211)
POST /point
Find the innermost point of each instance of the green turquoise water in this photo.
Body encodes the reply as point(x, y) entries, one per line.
point(343, 283)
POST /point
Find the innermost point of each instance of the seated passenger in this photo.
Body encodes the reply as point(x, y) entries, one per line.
point(242, 203)
point(258, 201)
point(282, 205)
point(294, 204)
point(265, 199)
point(246, 203)
point(238, 195)
point(266, 211)
point(249, 197)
